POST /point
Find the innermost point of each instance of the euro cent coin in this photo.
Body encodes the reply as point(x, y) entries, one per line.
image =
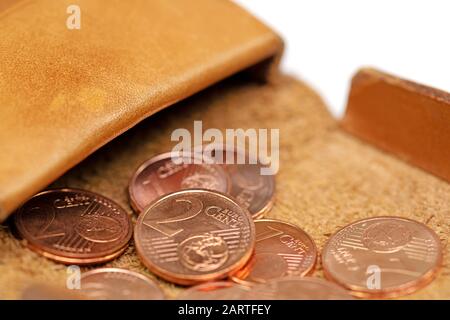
point(170, 172)
point(74, 226)
point(281, 250)
point(193, 236)
point(382, 257)
point(118, 284)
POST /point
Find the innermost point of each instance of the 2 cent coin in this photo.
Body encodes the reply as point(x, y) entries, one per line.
point(194, 235)
point(74, 226)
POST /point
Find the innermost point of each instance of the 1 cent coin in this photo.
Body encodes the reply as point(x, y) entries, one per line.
point(282, 249)
point(249, 186)
point(382, 256)
point(161, 175)
point(193, 236)
point(74, 226)
point(118, 284)
point(295, 288)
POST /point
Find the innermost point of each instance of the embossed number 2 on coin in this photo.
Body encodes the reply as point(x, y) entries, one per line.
point(196, 207)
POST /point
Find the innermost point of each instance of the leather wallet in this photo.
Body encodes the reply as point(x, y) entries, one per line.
point(64, 93)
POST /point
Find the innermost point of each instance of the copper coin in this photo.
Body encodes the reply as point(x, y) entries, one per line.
point(282, 249)
point(161, 175)
point(383, 256)
point(249, 187)
point(295, 288)
point(74, 226)
point(221, 290)
point(118, 284)
point(193, 236)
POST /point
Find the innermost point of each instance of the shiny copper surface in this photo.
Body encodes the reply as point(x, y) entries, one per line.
point(382, 256)
point(74, 226)
point(193, 236)
point(160, 175)
point(282, 249)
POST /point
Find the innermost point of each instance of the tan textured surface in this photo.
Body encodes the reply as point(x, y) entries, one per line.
point(326, 180)
point(68, 92)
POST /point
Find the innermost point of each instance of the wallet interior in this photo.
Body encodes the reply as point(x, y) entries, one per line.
point(327, 178)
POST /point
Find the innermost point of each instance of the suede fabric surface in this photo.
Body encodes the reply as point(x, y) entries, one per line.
point(326, 180)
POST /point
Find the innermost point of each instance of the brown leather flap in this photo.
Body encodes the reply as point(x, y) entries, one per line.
point(407, 119)
point(64, 93)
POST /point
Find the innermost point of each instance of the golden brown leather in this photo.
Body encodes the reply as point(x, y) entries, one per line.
point(407, 119)
point(64, 93)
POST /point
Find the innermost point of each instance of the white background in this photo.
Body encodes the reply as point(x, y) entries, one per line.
point(327, 41)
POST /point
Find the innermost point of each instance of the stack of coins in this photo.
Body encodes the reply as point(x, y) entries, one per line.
point(201, 225)
point(161, 175)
